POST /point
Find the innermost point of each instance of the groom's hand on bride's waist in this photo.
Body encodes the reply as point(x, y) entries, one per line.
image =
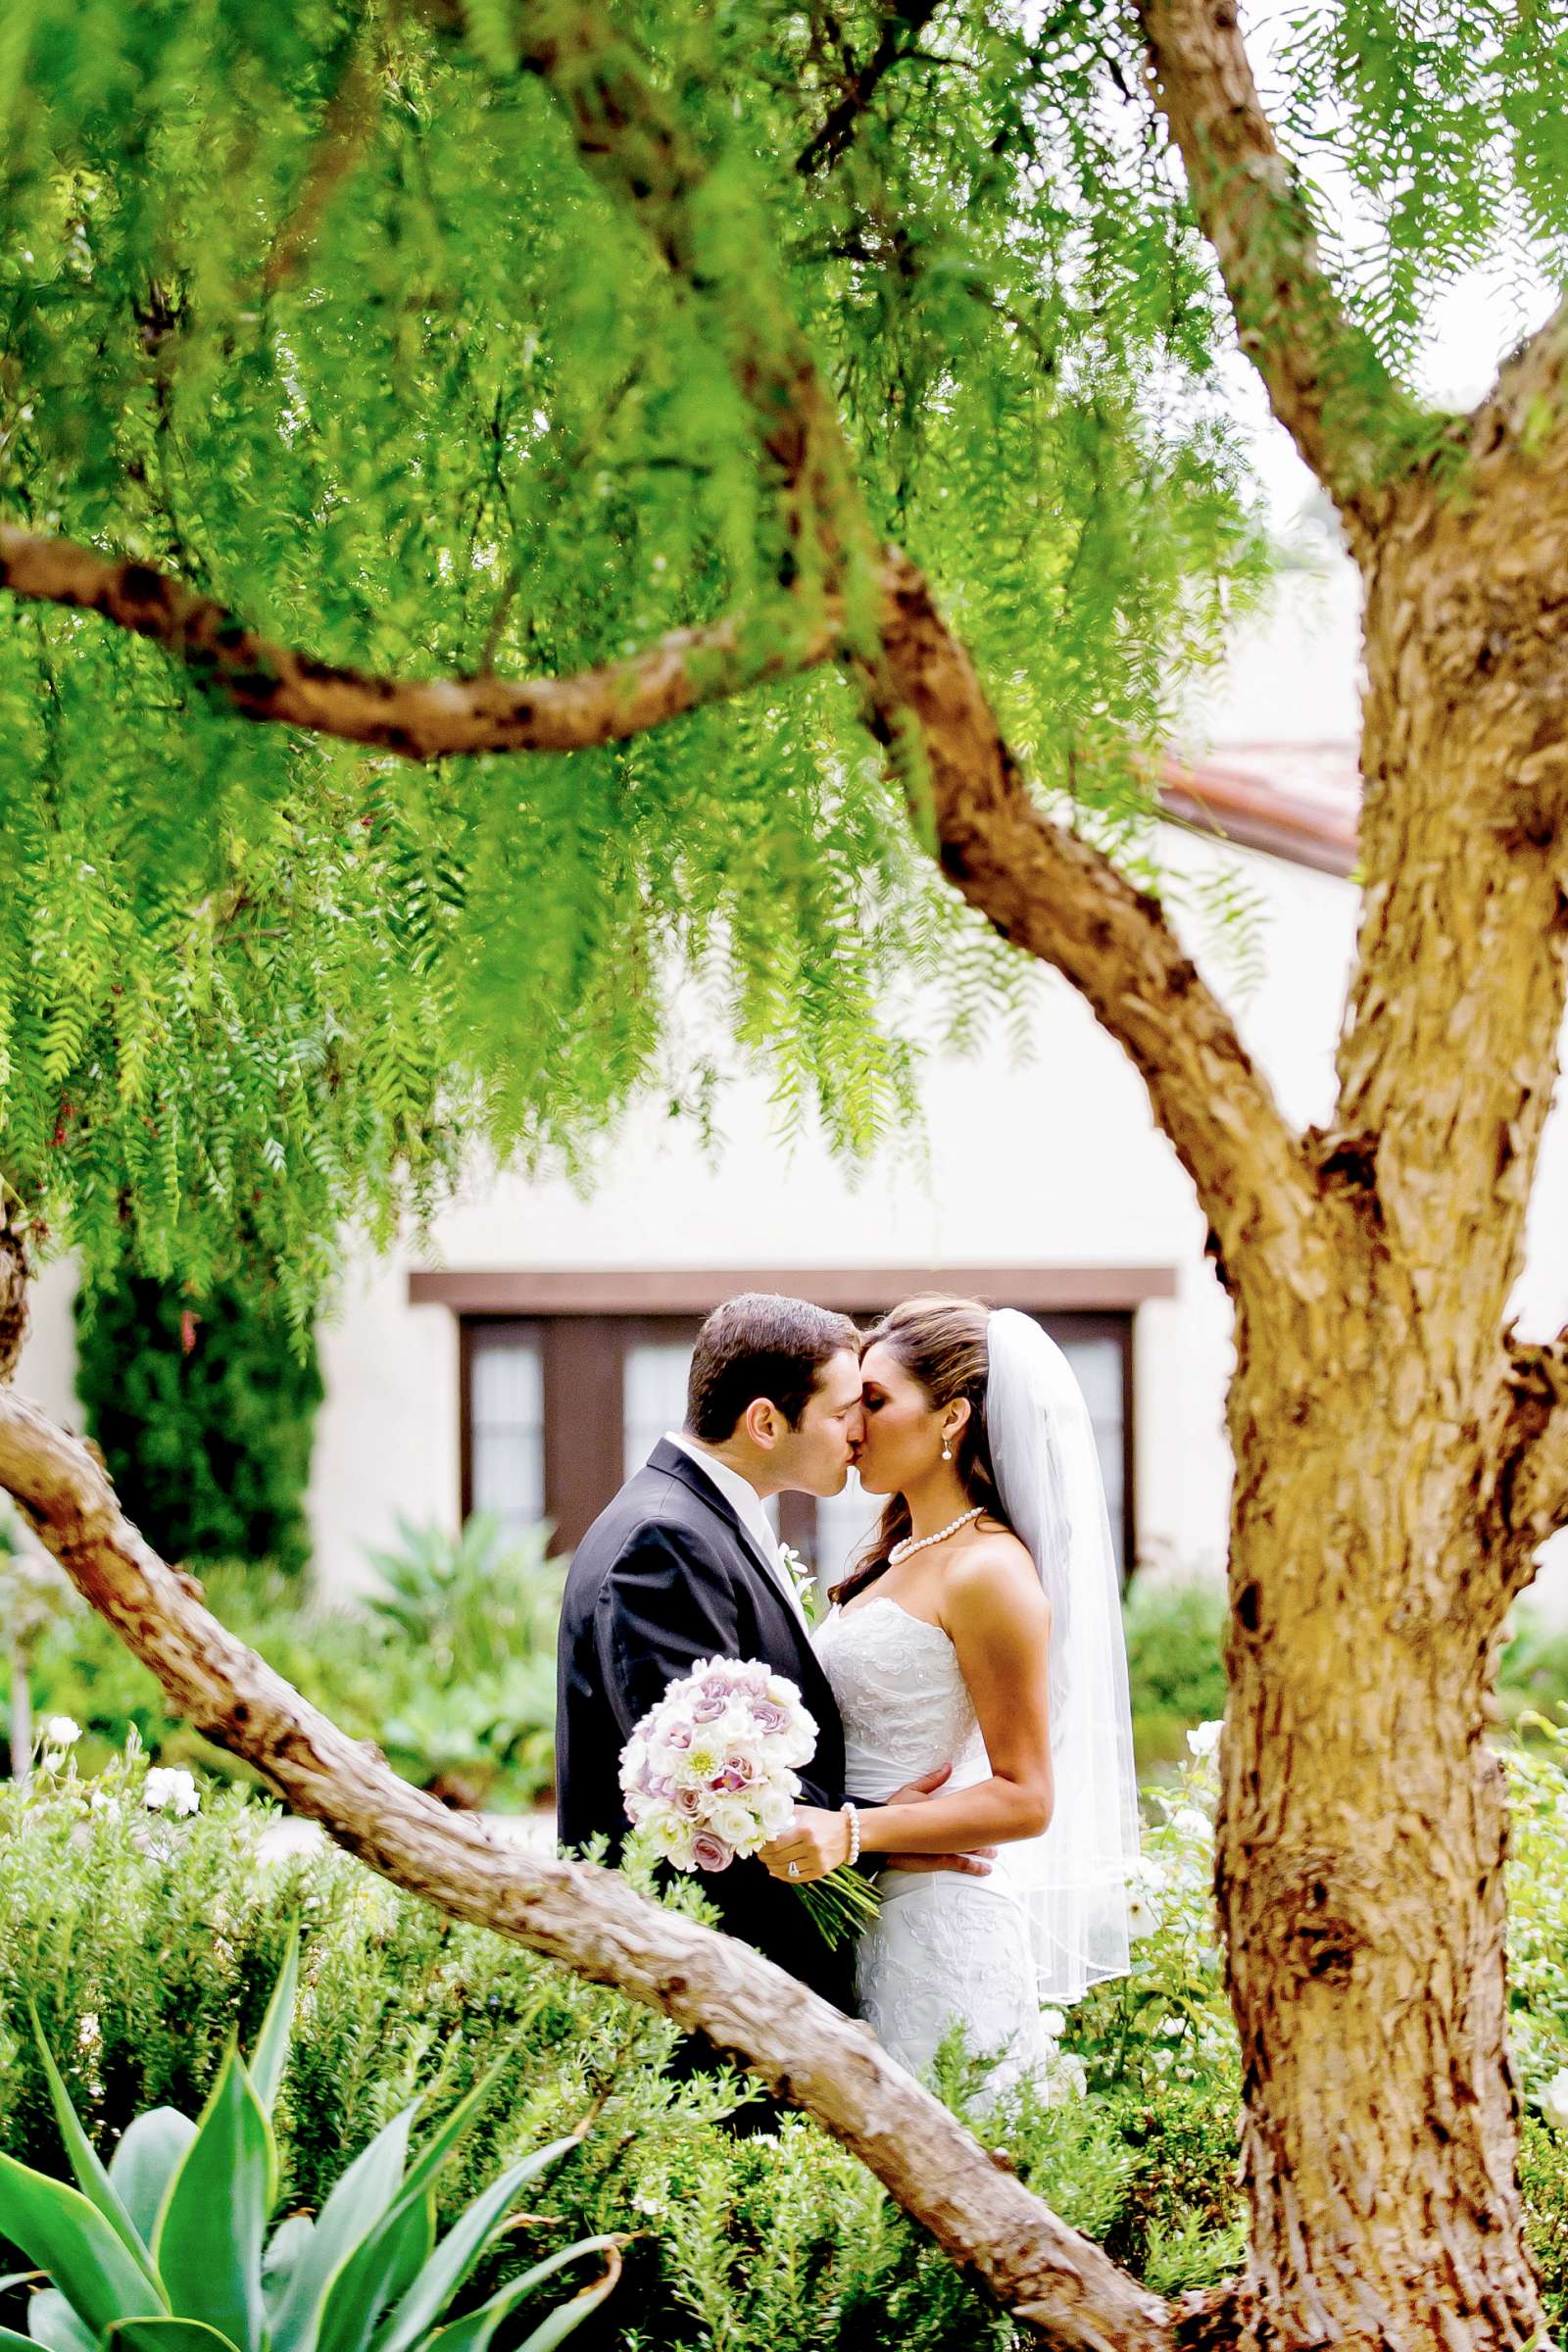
point(969, 1866)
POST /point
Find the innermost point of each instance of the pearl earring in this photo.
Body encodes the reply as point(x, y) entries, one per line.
point(947, 1450)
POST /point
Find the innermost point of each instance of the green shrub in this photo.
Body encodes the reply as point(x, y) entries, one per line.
point(150, 1940)
point(1174, 1664)
point(168, 2245)
point(204, 1412)
point(1533, 1672)
point(478, 1612)
point(449, 1670)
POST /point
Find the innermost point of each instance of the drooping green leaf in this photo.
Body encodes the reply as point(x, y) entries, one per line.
point(208, 2244)
point(60, 2230)
point(169, 2335)
point(561, 2323)
point(91, 2175)
point(455, 2257)
point(474, 2331)
point(145, 2162)
point(270, 2054)
point(359, 2202)
point(52, 2323)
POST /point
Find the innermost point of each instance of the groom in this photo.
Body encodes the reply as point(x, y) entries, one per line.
point(683, 1566)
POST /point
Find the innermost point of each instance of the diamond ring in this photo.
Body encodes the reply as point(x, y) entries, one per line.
point(795, 1870)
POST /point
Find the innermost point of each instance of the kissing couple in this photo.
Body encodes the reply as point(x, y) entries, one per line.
point(968, 1683)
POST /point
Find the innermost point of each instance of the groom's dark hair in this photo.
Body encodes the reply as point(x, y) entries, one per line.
point(761, 1344)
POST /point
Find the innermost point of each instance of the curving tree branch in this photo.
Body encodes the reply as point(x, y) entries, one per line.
point(417, 719)
point(1533, 1481)
point(1050, 2276)
point(1060, 898)
point(1325, 381)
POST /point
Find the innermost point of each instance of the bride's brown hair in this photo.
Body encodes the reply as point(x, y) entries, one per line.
point(941, 1342)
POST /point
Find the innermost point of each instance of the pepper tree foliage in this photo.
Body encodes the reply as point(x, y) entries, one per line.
point(318, 309)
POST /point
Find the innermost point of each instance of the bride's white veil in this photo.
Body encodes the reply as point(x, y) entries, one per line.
point(1074, 1877)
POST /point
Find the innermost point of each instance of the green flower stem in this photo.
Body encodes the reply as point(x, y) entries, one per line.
point(842, 1906)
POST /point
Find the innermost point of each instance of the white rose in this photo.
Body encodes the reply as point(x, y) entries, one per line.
point(671, 1838)
point(1053, 2024)
point(777, 1812)
point(731, 1819)
point(169, 1790)
point(1553, 2100)
point(1204, 1738)
point(1190, 1823)
point(1142, 1918)
point(59, 1732)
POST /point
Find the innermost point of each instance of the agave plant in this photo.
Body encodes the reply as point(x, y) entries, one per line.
point(165, 2248)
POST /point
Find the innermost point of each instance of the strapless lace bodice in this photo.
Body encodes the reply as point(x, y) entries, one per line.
point(905, 1705)
point(944, 1950)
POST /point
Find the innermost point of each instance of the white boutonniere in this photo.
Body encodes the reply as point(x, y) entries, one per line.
point(803, 1577)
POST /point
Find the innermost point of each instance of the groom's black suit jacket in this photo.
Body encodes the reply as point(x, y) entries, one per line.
point(664, 1576)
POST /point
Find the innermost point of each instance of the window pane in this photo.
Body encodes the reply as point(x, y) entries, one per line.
point(655, 1402)
point(507, 1382)
point(654, 1393)
point(506, 1415)
point(1096, 1365)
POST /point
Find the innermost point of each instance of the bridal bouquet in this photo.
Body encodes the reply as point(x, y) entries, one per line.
point(708, 1775)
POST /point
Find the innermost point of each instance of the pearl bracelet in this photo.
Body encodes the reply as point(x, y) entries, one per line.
point(852, 1815)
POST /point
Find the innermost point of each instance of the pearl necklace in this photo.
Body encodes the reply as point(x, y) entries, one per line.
point(913, 1543)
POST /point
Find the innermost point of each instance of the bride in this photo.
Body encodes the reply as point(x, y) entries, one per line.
point(980, 1628)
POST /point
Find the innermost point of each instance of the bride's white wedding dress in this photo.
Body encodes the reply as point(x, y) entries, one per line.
point(944, 1949)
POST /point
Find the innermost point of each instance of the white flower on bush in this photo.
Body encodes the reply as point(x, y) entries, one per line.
point(60, 1731)
point(1053, 2024)
point(1190, 1822)
point(169, 1790)
point(102, 1802)
point(1142, 1918)
point(1553, 2100)
point(1070, 2076)
point(1204, 1738)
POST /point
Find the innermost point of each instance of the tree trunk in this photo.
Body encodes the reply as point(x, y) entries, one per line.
point(1360, 1888)
point(1363, 1824)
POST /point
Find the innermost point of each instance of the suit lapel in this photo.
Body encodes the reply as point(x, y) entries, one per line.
point(679, 1464)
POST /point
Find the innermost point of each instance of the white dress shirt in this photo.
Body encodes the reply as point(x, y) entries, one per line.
point(747, 1504)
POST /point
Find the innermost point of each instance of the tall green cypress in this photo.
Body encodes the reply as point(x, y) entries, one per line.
point(205, 1412)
